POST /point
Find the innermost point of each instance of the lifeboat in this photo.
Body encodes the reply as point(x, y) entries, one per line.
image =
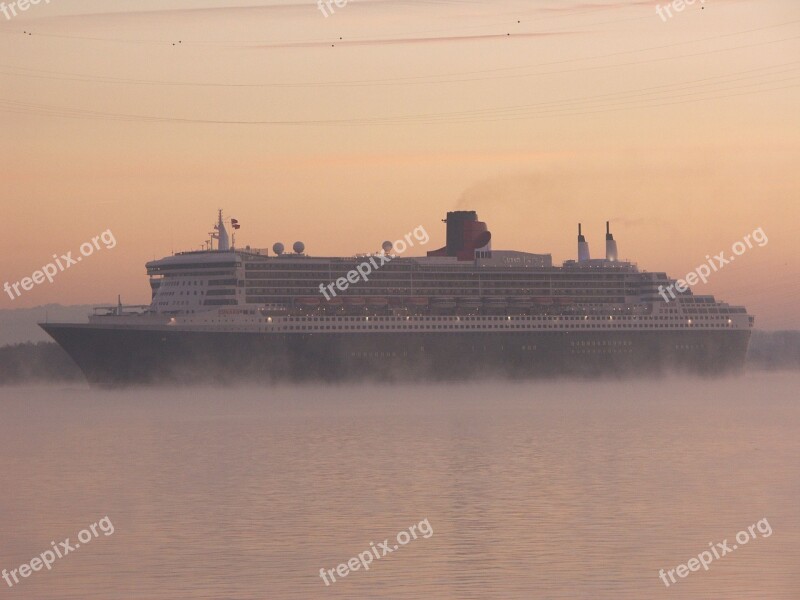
point(310, 302)
point(377, 302)
point(354, 301)
point(494, 302)
point(443, 302)
point(417, 301)
point(495, 305)
point(469, 306)
point(520, 303)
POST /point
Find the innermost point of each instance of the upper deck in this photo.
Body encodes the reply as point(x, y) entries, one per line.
point(470, 280)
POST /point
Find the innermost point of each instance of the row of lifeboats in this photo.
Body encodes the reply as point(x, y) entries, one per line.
point(442, 302)
point(355, 301)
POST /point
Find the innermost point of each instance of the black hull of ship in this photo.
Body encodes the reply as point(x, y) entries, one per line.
point(120, 355)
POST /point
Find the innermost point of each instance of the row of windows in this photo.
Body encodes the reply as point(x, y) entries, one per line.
point(526, 348)
point(436, 273)
point(203, 274)
point(586, 296)
point(435, 290)
point(384, 277)
point(187, 293)
point(375, 354)
point(601, 350)
point(602, 343)
point(193, 282)
point(173, 267)
point(414, 327)
point(218, 282)
point(472, 319)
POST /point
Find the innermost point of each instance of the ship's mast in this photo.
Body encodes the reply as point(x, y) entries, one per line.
point(222, 235)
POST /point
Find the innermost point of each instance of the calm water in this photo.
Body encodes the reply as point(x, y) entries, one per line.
point(536, 490)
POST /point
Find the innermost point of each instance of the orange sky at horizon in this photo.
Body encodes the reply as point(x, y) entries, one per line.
point(146, 117)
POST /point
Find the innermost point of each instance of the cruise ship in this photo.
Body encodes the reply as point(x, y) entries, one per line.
point(462, 311)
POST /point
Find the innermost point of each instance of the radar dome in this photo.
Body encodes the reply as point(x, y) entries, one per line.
point(387, 247)
point(299, 247)
point(278, 248)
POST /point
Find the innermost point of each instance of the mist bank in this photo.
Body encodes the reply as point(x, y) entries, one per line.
point(774, 350)
point(47, 362)
point(36, 362)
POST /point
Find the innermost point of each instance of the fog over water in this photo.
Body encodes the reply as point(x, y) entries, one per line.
point(553, 489)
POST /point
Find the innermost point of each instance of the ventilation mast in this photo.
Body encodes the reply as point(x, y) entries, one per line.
point(583, 247)
point(611, 245)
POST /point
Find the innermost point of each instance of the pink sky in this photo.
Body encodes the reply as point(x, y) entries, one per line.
point(684, 133)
